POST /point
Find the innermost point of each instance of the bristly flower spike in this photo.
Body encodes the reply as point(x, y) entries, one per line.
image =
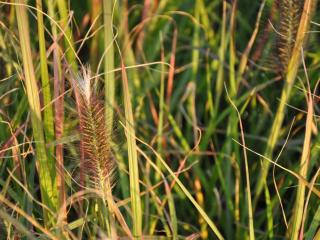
point(99, 162)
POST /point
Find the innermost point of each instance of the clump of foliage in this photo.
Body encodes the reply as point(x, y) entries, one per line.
point(215, 106)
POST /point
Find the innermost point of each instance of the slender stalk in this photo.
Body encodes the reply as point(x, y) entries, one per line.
point(109, 92)
point(222, 49)
point(304, 166)
point(59, 122)
point(192, 111)
point(108, 63)
point(133, 159)
point(161, 109)
point(128, 52)
point(172, 69)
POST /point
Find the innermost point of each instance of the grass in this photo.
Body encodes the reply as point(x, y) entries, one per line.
point(46, 165)
point(159, 119)
point(132, 158)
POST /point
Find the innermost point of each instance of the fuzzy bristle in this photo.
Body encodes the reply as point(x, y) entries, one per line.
point(289, 18)
point(83, 83)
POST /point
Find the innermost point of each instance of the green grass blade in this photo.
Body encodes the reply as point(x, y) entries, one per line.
point(47, 113)
point(68, 38)
point(133, 159)
point(46, 169)
point(108, 64)
point(222, 50)
point(315, 224)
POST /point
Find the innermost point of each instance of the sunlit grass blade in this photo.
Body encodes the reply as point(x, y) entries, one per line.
point(46, 168)
point(304, 167)
point(46, 88)
point(108, 63)
point(68, 38)
point(132, 158)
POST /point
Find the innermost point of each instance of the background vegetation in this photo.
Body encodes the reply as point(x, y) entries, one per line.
point(159, 119)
